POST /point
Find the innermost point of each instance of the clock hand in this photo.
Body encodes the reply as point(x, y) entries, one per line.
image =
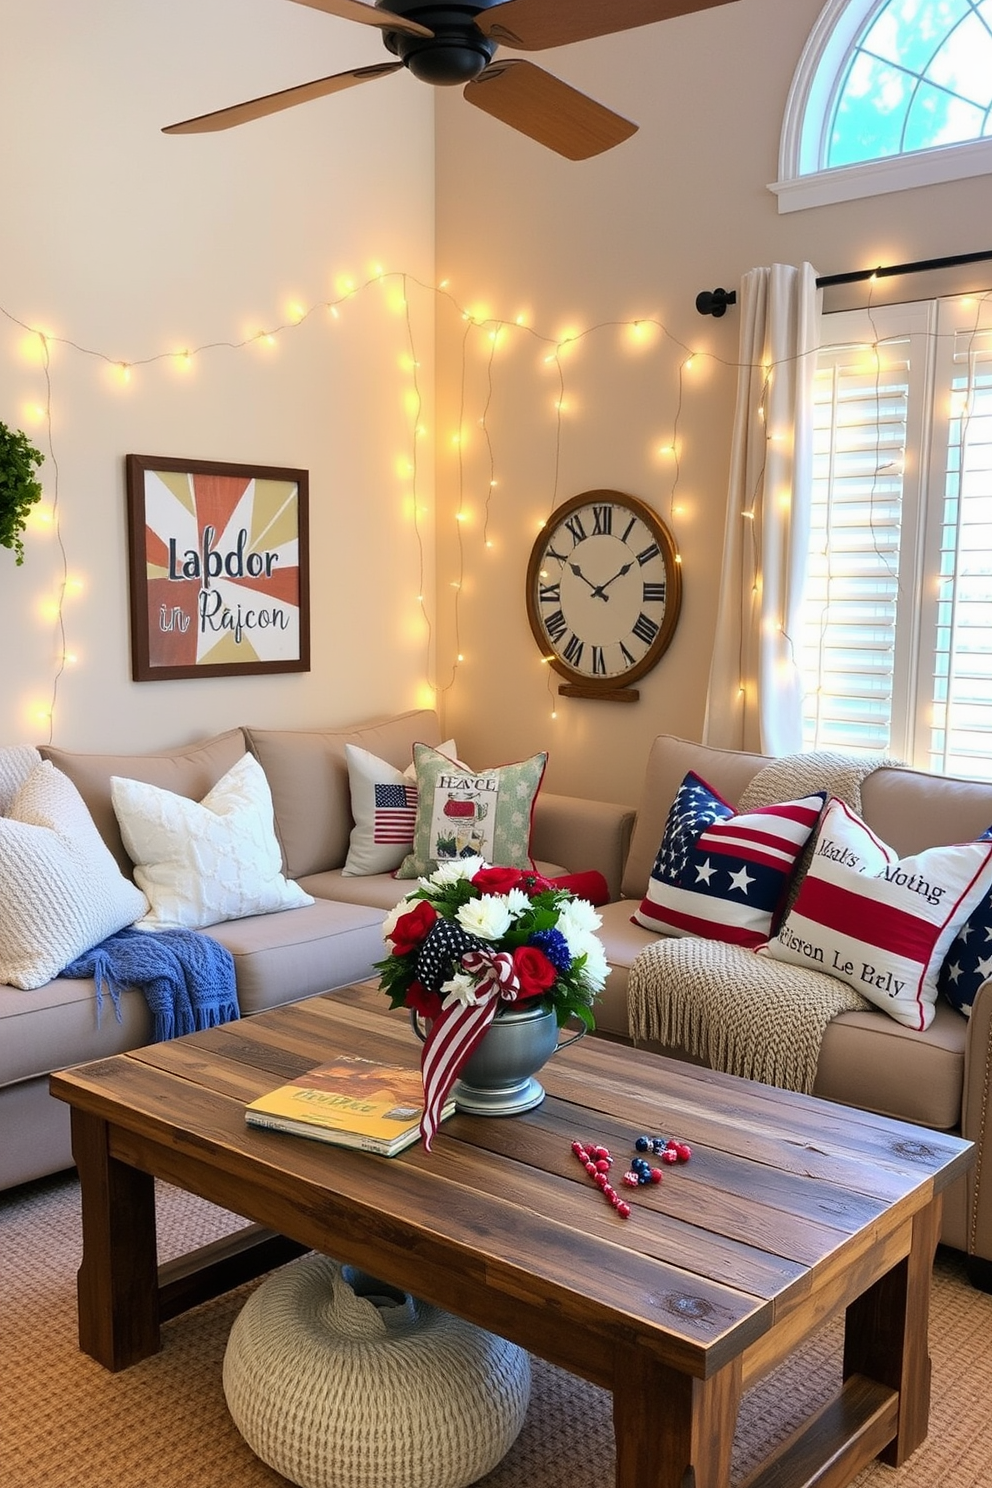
point(600, 589)
point(580, 575)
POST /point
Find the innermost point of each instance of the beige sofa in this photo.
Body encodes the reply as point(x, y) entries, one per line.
point(279, 957)
point(940, 1078)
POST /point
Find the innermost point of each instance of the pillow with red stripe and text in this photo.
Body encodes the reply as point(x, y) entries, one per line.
point(722, 875)
point(879, 922)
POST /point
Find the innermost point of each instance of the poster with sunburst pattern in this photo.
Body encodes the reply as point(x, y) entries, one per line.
point(218, 568)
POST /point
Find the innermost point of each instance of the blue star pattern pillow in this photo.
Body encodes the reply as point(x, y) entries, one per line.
point(720, 875)
point(968, 963)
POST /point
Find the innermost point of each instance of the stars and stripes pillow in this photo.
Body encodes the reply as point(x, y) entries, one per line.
point(879, 922)
point(384, 809)
point(721, 875)
point(969, 961)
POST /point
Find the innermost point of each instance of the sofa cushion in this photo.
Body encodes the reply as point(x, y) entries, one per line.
point(879, 922)
point(60, 889)
point(720, 874)
point(461, 814)
point(870, 1061)
point(308, 778)
point(670, 760)
point(189, 770)
point(384, 809)
point(200, 862)
point(297, 953)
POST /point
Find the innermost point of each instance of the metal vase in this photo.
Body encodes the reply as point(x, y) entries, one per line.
point(497, 1079)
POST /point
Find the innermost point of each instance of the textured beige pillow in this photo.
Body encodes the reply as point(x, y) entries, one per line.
point(16, 763)
point(202, 862)
point(61, 891)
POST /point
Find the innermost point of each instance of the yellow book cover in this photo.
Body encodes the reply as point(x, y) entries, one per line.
point(351, 1102)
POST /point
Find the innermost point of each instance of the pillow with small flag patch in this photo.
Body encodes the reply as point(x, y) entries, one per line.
point(969, 961)
point(879, 922)
point(462, 813)
point(721, 875)
point(384, 810)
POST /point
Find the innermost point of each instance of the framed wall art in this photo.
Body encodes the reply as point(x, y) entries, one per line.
point(219, 568)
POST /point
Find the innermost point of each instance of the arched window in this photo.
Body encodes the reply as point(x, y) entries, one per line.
point(888, 94)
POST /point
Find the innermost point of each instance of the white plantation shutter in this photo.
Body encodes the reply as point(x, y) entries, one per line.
point(960, 734)
point(896, 640)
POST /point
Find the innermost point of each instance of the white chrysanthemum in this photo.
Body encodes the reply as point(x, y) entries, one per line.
point(517, 902)
point(578, 916)
point(389, 923)
point(597, 968)
point(451, 872)
point(488, 917)
point(459, 988)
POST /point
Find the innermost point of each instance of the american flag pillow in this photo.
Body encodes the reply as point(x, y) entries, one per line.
point(384, 811)
point(968, 963)
point(879, 922)
point(721, 875)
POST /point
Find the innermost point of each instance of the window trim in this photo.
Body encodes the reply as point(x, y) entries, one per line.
point(800, 183)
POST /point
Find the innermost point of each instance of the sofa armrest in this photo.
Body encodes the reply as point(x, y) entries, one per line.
point(582, 834)
point(976, 1122)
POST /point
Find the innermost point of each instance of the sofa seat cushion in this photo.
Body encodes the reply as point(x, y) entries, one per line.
point(383, 890)
point(57, 1025)
point(297, 953)
point(869, 1060)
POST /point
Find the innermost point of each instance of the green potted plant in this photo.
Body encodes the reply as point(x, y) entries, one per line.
point(18, 488)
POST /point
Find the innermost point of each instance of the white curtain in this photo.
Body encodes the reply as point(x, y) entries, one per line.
point(754, 700)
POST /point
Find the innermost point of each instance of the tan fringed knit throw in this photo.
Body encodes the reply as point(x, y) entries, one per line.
point(745, 1013)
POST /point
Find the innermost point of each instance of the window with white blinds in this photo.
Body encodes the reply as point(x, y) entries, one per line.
point(896, 642)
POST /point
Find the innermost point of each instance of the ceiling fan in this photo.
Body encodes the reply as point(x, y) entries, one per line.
point(445, 44)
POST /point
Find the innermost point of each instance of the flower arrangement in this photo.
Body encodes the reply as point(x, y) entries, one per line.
point(470, 933)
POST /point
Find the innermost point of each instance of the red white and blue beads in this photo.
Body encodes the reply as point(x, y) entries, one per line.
point(597, 1162)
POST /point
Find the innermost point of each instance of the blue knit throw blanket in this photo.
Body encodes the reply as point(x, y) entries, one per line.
point(187, 978)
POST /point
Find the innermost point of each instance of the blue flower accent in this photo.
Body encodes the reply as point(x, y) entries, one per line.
point(555, 947)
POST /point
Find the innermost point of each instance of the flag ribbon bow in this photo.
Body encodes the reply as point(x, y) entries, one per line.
point(455, 1034)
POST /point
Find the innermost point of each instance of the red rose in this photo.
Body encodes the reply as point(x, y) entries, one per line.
point(497, 880)
point(411, 928)
point(424, 1002)
point(535, 972)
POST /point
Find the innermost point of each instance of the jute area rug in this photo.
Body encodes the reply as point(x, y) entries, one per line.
point(67, 1423)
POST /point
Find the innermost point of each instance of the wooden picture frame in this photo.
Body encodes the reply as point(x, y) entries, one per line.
point(219, 568)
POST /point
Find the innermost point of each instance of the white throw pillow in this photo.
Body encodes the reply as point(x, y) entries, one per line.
point(384, 809)
point(61, 891)
point(201, 862)
point(879, 922)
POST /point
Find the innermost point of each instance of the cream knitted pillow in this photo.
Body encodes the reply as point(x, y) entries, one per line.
point(60, 889)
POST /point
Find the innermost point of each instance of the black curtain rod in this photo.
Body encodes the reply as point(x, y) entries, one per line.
point(714, 302)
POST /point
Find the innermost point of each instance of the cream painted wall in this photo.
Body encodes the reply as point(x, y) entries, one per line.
point(637, 232)
point(125, 244)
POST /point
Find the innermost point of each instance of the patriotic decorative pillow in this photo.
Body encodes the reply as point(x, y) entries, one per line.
point(720, 875)
point(969, 961)
point(461, 814)
point(384, 808)
point(879, 922)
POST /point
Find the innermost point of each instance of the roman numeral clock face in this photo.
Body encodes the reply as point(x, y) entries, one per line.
point(603, 590)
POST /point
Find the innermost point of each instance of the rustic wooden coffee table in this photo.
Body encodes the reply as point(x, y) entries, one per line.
point(790, 1210)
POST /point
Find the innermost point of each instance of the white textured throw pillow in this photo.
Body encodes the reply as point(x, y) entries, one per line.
point(384, 808)
point(201, 862)
point(879, 922)
point(61, 891)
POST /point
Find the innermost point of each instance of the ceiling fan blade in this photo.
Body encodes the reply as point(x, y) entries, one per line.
point(367, 15)
point(532, 101)
point(533, 25)
point(271, 103)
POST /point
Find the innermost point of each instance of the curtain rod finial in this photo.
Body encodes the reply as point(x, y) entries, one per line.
point(715, 301)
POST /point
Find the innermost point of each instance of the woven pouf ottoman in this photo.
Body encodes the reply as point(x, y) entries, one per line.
point(338, 1381)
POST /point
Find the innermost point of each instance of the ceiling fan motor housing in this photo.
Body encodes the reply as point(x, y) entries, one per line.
point(456, 53)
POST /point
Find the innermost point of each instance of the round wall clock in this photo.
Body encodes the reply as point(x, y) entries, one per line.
point(604, 587)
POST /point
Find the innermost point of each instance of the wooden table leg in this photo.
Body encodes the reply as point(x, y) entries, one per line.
point(117, 1283)
point(673, 1431)
point(886, 1335)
